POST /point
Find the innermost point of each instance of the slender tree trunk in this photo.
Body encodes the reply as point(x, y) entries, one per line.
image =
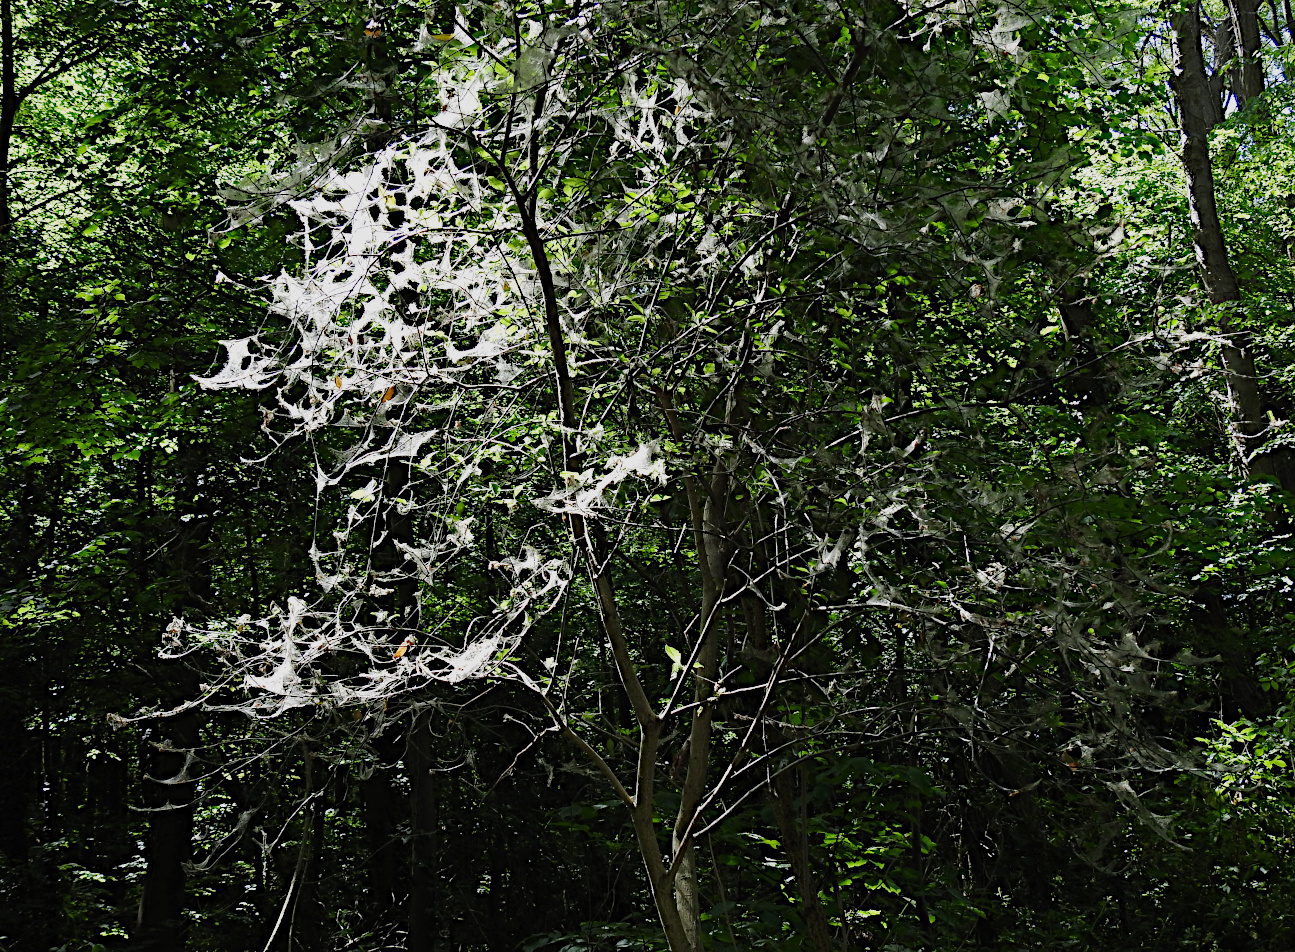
point(168, 787)
point(793, 830)
point(168, 792)
point(422, 921)
point(387, 890)
point(687, 888)
point(299, 920)
point(15, 755)
point(383, 804)
point(1247, 77)
point(780, 785)
point(642, 814)
point(1224, 49)
point(1196, 104)
point(423, 840)
point(681, 936)
point(308, 919)
point(1274, 30)
point(709, 505)
point(8, 115)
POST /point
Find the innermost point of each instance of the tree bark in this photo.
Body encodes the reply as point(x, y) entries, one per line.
point(795, 843)
point(1224, 50)
point(8, 113)
point(382, 806)
point(1248, 429)
point(422, 923)
point(681, 936)
point(709, 554)
point(168, 787)
point(15, 755)
point(300, 920)
point(424, 822)
point(1247, 76)
point(168, 792)
point(1274, 26)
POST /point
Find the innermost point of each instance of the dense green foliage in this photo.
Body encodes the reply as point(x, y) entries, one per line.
point(664, 476)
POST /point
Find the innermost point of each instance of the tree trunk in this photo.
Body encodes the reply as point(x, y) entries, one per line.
point(687, 889)
point(1248, 430)
point(8, 115)
point(299, 923)
point(168, 789)
point(168, 792)
point(389, 561)
point(424, 823)
point(1274, 26)
point(308, 915)
point(382, 806)
point(674, 903)
point(795, 843)
point(15, 755)
point(1247, 77)
point(1224, 49)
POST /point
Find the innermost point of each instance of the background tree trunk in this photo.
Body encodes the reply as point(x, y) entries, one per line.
point(424, 923)
point(792, 829)
point(8, 115)
point(382, 808)
point(1247, 76)
point(168, 787)
point(169, 794)
point(1196, 106)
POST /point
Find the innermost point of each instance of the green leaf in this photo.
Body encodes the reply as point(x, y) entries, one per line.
point(676, 661)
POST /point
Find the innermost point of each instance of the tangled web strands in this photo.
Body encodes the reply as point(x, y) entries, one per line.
point(375, 328)
point(421, 369)
point(416, 331)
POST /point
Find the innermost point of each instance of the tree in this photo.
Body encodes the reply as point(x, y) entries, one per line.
point(120, 123)
point(898, 305)
point(636, 324)
point(1198, 112)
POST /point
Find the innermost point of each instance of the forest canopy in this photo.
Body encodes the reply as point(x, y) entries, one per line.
point(646, 475)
